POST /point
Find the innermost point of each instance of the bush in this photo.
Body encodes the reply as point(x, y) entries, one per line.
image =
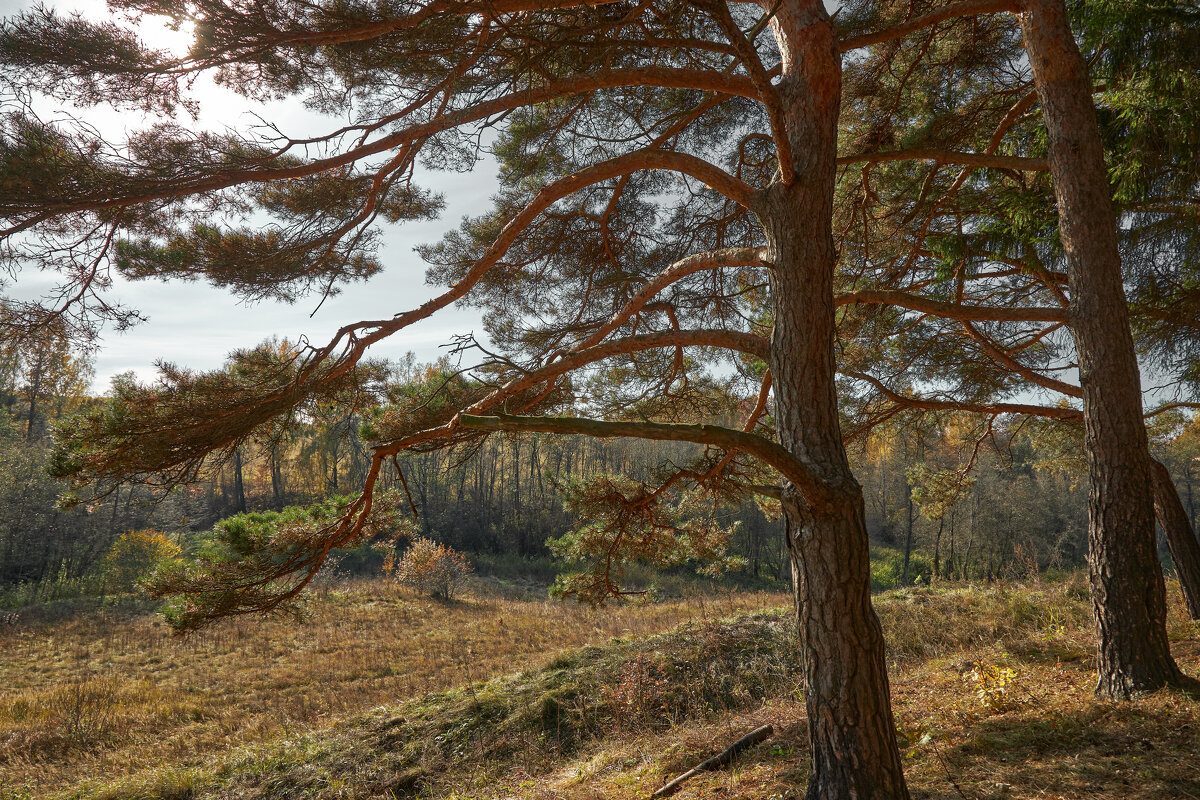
point(433, 568)
point(134, 556)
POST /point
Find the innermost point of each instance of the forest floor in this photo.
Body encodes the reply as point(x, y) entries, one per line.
point(383, 694)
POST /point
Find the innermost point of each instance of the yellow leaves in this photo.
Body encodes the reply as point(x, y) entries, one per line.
point(134, 555)
point(994, 686)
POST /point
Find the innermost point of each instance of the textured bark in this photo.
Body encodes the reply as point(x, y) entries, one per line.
point(1181, 540)
point(851, 728)
point(1128, 593)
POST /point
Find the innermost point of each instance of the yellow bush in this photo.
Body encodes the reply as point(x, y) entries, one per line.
point(133, 556)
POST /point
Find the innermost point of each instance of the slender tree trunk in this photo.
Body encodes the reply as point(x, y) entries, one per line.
point(1187, 482)
point(966, 560)
point(35, 389)
point(421, 466)
point(535, 471)
point(239, 488)
point(936, 576)
point(950, 559)
point(335, 456)
point(518, 529)
point(1181, 540)
point(908, 537)
point(276, 480)
point(1128, 593)
point(851, 728)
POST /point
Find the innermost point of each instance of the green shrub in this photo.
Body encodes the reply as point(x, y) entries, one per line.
point(887, 568)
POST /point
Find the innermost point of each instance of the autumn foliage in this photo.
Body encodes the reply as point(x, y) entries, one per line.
point(134, 556)
point(433, 568)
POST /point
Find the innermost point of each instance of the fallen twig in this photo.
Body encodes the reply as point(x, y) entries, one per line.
point(719, 760)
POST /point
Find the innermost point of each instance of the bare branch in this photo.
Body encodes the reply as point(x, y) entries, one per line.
point(698, 262)
point(1171, 407)
point(762, 81)
point(1005, 360)
point(732, 340)
point(622, 165)
point(928, 404)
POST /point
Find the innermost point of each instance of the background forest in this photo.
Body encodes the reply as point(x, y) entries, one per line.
point(946, 500)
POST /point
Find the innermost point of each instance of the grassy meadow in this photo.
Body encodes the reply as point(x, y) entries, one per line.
point(385, 694)
point(108, 692)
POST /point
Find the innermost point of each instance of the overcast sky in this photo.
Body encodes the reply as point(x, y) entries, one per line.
point(195, 325)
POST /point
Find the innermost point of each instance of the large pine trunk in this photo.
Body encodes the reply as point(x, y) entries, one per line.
point(1181, 540)
point(851, 728)
point(1128, 593)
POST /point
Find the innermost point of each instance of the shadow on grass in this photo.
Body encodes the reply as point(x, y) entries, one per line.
point(1104, 750)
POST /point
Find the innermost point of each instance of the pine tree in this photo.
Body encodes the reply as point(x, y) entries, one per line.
point(979, 250)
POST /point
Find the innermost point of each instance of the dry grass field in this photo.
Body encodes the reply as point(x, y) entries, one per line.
point(111, 693)
point(385, 695)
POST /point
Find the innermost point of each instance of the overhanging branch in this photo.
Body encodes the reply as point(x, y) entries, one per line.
point(814, 490)
point(950, 157)
point(970, 8)
point(939, 308)
point(658, 77)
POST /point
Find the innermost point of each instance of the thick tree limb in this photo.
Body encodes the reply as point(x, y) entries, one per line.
point(766, 490)
point(792, 468)
point(951, 310)
point(950, 157)
point(969, 8)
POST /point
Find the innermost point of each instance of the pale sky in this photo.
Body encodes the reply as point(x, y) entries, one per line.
point(195, 325)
